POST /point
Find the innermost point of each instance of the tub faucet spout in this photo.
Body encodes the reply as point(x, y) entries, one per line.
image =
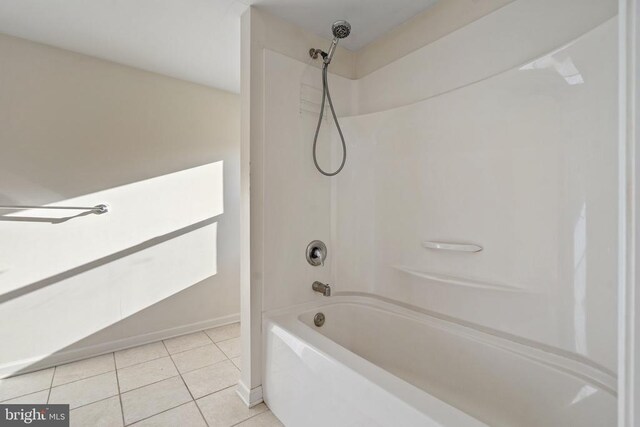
point(322, 288)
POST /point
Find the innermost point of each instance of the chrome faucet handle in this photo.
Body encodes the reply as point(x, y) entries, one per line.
point(316, 253)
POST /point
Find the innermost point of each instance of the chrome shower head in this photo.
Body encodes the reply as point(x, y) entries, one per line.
point(341, 29)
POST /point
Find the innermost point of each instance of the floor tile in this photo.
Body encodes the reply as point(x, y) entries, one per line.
point(39, 397)
point(212, 378)
point(105, 413)
point(186, 415)
point(236, 361)
point(146, 373)
point(225, 332)
point(230, 347)
point(140, 354)
point(266, 419)
point(153, 399)
point(83, 369)
point(198, 358)
point(225, 408)
point(25, 384)
point(187, 342)
point(88, 390)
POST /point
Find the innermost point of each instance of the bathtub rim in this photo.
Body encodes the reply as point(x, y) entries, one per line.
point(413, 398)
point(530, 351)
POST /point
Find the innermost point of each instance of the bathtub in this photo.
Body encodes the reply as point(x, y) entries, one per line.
point(376, 363)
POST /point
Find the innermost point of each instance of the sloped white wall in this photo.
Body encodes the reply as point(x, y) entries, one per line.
point(164, 154)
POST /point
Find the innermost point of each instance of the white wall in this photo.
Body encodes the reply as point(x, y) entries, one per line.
point(270, 44)
point(164, 154)
point(506, 38)
point(297, 195)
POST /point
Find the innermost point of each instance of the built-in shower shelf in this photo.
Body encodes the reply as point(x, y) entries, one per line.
point(450, 246)
point(460, 281)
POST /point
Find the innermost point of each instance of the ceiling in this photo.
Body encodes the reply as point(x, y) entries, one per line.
point(369, 19)
point(194, 40)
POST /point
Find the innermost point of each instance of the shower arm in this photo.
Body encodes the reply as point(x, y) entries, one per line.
point(313, 53)
point(326, 56)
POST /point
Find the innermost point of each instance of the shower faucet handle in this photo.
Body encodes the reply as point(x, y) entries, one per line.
point(316, 253)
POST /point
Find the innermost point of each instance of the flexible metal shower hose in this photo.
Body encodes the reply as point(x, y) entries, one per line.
point(327, 95)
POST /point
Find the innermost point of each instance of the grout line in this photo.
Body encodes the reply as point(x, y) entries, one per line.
point(153, 415)
point(214, 392)
point(27, 394)
point(155, 382)
point(252, 416)
point(119, 392)
point(210, 339)
point(142, 363)
point(205, 331)
point(139, 363)
point(186, 386)
point(96, 401)
point(189, 349)
point(201, 367)
point(225, 354)
point(87, 404)
point(82, 379)
point(161, 412)
point(228, 339)
point(3, 402)
point(51, 384)
point(159, 357)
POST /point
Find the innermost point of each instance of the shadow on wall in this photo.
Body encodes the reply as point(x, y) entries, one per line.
point(64, 282)
point(68, 274)
point(50, 220)
point(109, 338)
point(77, 130)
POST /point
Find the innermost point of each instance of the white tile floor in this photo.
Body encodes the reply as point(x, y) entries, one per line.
point(184, 381)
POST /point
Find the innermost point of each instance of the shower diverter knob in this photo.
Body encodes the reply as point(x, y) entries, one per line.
point(316, 253)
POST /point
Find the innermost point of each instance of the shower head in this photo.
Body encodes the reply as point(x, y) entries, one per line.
point(341, 29)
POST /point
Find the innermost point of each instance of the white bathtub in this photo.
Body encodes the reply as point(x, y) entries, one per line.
point(374, 363)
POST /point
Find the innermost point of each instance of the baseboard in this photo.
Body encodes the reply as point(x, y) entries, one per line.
point(43, 362)
point(251, 397)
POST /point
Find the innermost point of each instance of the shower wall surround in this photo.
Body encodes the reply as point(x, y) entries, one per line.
point(501, 133)
point(297, 195)
point(521, 164)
